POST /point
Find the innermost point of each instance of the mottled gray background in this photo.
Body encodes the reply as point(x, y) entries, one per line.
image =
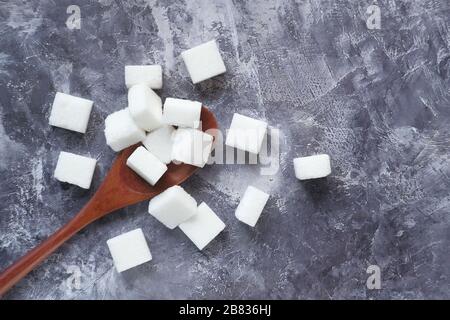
point(377, 101)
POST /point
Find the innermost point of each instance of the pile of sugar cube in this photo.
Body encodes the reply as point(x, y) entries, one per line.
point(169, 132)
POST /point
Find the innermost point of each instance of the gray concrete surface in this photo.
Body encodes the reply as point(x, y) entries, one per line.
point(377, 101)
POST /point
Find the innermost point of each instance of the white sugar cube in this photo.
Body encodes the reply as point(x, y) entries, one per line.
point(182, 113)
point(192, 146)
point(75, 169)
point(146, 165)
point(202, 227)
point(312, 167)
point(203, 61)
point(150, 75)
point(70, 112)
point(121, 131)
point(145, 107)
point(251, 205)
point(159, 143)
point(173, 206)
point(246, 133)
point(129, 250)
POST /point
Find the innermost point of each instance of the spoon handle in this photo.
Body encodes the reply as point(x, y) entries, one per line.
point(28, 262)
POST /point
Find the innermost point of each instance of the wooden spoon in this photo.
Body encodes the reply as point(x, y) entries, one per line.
point(122, 187)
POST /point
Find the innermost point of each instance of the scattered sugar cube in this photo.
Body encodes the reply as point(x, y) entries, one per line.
point(312, 167)
point(203, 61)
point(150, 75)
point(146, 165)
point(246, 134)
point(70, 112)
point(75, 169)
point(145, 107)
point(129, 250)
point(182, 113)
point(202, 227)
point(121, 131)
point(173, 207)
point(251, 205)
point(192, 146)
point(159, 143)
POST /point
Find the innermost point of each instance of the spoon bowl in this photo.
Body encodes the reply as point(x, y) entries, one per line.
point(121, 187)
